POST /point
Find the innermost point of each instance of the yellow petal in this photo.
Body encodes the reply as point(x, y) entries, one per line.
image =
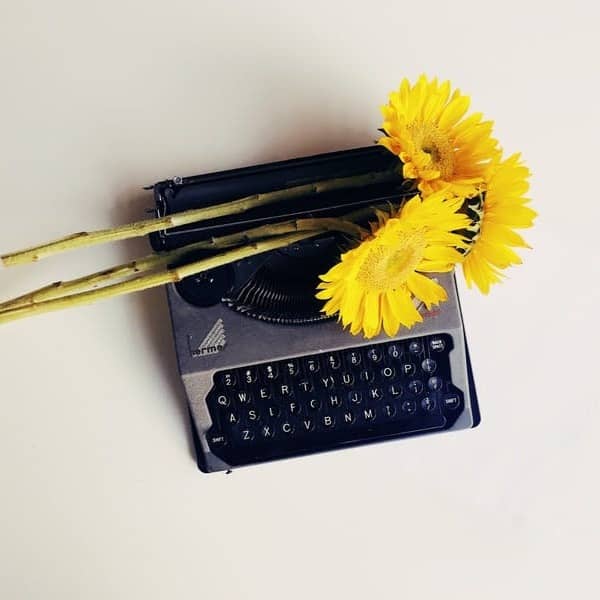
point(501, 234)
point(349, 306)
point(334, 273)
point(498, 255)
point(356, 325)
point(324, 294)
point(407, 312)
point(454, 112)
point(391, 319)
point(434, 266)
point(372, 316)
point(426, 289)
point(442, 254)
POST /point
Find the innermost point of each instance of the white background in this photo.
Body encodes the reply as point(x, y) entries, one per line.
point(100, 497)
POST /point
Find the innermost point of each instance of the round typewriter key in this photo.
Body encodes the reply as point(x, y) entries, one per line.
point(395, 390)
point(375, 355)
point(354, 358)
point(375, 394)
point(305, 386)
point(348, 379)
point(348, 417)
point(415, 387)
point(246, 435)
point(428, 404)
point(314, 404)
point(408, 369)
point(355, 397)
point(273, 411)
point(369, 414)
point(285, 390)
point(388, 372)
point(267, 432)
point(243, 397)
point(435, 384)
point(293, 408)
point(389, 410)
point(328, 421)
point(415, 347)
point(264, 393)
point(335, 401)
point(270, 372)
point(228, 378)
point(312, 365)
point(326, 381)
point(437, 344)
point(292, 367)
point(429, 365)
point(367, 375)
point(249, 375)
point(333, 361)
point(307, 425)
point(223, 400)
point(394, 351)
point(253, 415)
point(409, 407)
point(287, 428)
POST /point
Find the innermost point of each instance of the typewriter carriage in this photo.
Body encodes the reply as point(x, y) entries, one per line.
point(278, 288)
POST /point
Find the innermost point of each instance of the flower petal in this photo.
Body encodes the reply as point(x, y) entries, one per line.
point(426, 289)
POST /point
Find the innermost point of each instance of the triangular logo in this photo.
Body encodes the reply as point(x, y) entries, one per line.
point(214, 341)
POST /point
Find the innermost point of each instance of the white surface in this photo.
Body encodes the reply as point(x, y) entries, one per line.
point(99, 495)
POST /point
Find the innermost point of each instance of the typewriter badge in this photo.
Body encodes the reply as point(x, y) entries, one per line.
point(213, 342)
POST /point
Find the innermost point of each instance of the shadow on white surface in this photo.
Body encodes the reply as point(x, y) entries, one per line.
point(131, 205)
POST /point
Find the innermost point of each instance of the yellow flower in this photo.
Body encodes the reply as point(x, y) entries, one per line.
point(375, 283)
point(426, 128)
point(503, 208)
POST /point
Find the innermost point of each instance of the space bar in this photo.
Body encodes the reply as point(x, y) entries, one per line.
point(349, 438)
point(393, 429)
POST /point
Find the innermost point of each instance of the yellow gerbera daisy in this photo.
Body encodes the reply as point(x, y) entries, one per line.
point(504, 207)
point(426, 128)
point(374, 284)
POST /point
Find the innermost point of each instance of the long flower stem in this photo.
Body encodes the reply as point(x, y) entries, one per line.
point(154, 261)
point(142, 228)
point(167, 275)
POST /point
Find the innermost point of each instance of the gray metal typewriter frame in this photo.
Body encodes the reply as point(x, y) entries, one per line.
point(250, 341)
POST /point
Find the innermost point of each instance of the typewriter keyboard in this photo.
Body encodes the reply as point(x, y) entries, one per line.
point(319, 402)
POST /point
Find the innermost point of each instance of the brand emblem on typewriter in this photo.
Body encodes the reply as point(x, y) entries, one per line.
point(214, 341)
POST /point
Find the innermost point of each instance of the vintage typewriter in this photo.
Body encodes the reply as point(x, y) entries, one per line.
point(267, 375)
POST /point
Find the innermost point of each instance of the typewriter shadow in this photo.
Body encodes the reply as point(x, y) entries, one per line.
point(134, 203)
point(310, 133)
point(151, 308)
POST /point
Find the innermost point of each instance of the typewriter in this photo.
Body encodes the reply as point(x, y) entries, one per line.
point(267, 375)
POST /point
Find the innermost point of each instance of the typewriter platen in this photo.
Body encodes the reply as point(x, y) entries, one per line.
point(266, 375)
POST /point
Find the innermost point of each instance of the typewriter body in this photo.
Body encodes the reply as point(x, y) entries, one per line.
point(267, 376)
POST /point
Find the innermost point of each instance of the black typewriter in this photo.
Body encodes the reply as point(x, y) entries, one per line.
point(267, 375)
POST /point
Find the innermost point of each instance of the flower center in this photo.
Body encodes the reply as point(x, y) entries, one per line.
point(429, 139)
point(387, 265)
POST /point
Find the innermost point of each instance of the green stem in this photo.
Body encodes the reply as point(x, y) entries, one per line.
point(152, 262)
point(142, 228)
point(166, 276)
